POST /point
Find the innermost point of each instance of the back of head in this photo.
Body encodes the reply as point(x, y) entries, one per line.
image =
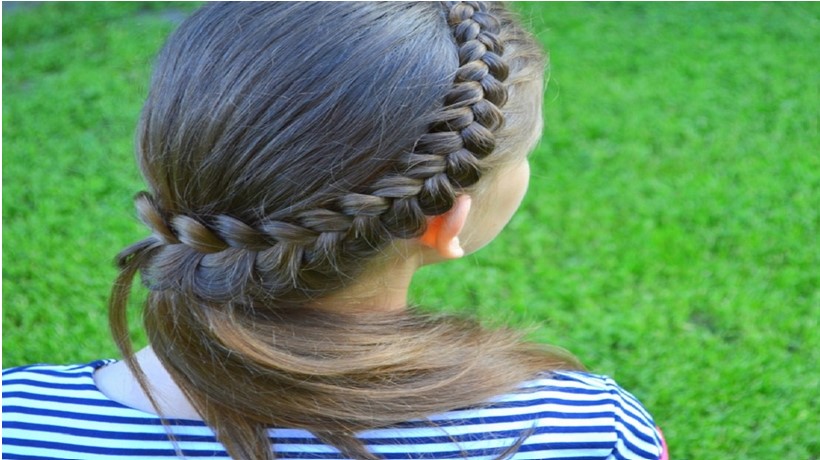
point(285, 145)
point(301, 147)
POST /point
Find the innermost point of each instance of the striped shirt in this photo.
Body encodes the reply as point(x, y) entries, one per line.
point(57, 412)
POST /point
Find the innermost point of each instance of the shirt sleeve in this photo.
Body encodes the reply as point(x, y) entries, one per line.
point(638, 437)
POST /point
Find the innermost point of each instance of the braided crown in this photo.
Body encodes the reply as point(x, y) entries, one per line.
point(220, 258)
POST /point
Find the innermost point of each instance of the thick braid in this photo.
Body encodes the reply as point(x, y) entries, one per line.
point(449, 157)
point(221, 258)
point(226, 259)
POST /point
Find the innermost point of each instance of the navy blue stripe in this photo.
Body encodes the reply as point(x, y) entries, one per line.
point(63, 399)
point(553, 446)
point(54, 385)
point(24, 457)
point(97, 434)
point(506, 418)
point(150, 421)
point(62, 373)
point(560, 389)
point(454, 453)
point(12, 370)
point(617, 456)
point(633, 451)
point(93, 365)
point(581, 378)
point(124, 452)
point(459, 453)
point(606, 399)
point(324, 456)
point(481, 435)
point(89, 367)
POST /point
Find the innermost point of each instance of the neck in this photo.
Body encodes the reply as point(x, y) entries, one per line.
point(382, 288)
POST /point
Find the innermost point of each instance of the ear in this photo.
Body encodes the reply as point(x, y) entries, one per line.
point(443, 230)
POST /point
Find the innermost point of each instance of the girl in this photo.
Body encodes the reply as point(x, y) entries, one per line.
point(303, 161)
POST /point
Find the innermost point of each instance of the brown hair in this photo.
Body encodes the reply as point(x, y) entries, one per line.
point(284, 146)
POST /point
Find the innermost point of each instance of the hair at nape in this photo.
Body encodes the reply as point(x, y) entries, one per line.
point(286, 144)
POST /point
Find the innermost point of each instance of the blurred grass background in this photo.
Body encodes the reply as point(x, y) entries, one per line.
point(669, 237)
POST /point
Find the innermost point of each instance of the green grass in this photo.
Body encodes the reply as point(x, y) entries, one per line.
point(669, 237)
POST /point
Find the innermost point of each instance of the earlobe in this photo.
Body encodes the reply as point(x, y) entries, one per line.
point(443, 230)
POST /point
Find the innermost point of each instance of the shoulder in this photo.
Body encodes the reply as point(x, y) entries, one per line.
point(558, 415)
point(57, 412)
point(605, 419)
point(40, 388)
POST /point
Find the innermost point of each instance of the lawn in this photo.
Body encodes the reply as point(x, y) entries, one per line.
point(669, 237)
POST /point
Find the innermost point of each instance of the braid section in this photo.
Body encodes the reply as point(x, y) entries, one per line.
point(221, 258)
point(448, 158)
